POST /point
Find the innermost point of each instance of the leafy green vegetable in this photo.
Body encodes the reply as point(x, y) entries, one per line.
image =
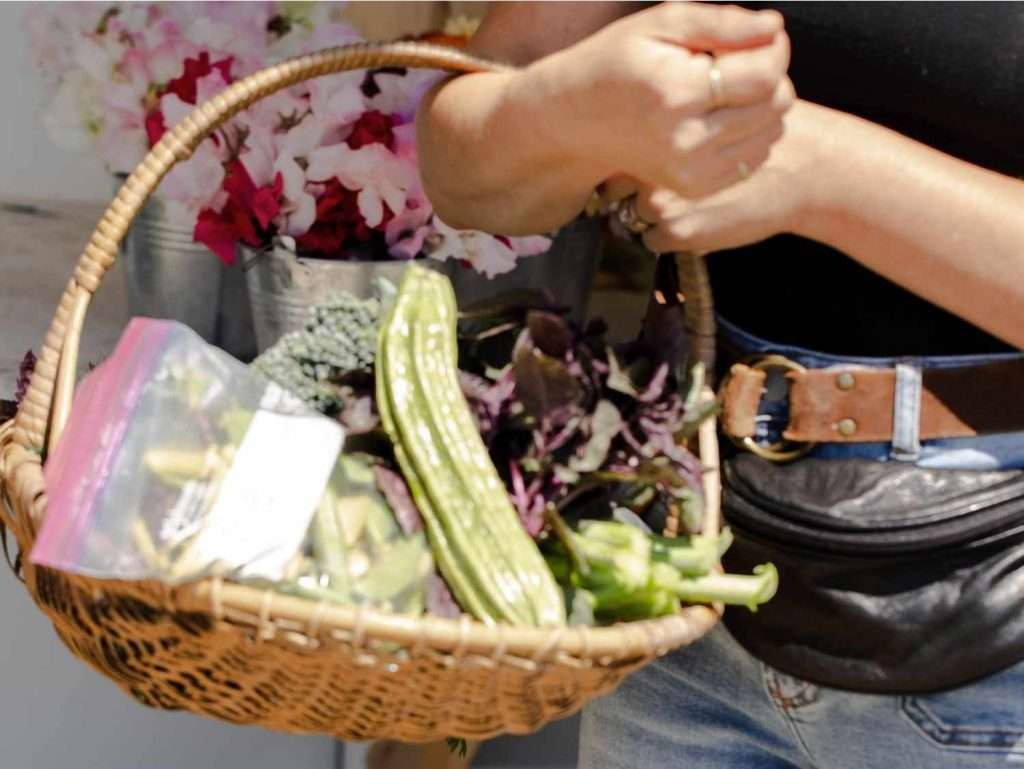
point(615, 572)
point(336, 347)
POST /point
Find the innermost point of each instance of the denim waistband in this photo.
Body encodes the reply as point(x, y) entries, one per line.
point(988, 452)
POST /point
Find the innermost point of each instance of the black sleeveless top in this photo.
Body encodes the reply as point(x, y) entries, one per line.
point(950, 75)
point(886, 604)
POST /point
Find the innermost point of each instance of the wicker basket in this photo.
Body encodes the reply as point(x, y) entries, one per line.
point(252, 656)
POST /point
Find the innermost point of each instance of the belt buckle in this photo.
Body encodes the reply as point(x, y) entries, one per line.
point(783, 450)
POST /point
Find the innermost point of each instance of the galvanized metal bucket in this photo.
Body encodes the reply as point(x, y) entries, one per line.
point(168, 275)
point(283, 286)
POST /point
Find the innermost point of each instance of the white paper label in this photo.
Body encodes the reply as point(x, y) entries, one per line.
point(270, 493)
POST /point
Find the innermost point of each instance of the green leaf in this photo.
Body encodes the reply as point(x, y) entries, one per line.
point(605, 424)
point(618, 380)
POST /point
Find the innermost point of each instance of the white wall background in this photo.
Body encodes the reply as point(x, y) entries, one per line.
point(30, 165)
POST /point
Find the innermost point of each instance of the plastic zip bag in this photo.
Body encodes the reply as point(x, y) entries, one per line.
point(179, 462)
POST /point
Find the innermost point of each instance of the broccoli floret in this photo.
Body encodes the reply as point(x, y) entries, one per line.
point(339, 340)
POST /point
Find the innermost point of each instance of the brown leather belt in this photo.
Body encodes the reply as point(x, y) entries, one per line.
point(855, 404)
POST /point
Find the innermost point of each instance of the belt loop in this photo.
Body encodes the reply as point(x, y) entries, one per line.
point(906, 413)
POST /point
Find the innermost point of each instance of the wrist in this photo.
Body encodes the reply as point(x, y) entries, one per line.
point(552, 103)
point(820, 146)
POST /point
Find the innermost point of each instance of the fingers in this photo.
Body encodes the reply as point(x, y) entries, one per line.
point(727, 126)
point(738, 215)
point(724, 127)
point(618, 188)
point(737, 161)
point(747, 77)
point(715, 28)
point(718, 164)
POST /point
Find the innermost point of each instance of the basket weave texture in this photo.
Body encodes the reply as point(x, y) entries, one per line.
point(253, 656)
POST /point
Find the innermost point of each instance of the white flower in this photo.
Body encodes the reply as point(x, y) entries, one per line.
point(53, 29)
point(195, 183)
point(300, 207)
point(75, 117)
point(483, 252)
point(175, 110)
point(258, 155)
point(338, 98)
point(379, 176)
point(401, 94)
point(530, 245)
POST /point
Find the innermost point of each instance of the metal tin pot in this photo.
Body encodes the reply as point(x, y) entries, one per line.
point(168, 275)
point(283, 286)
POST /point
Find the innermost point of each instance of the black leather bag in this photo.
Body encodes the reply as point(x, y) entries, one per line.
point(893, 578)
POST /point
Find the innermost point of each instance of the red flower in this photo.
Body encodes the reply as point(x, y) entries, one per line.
point(155, 126)
point(246, 216)
point(185, 86)
point(265, 202)
point(217, 233)
point(372, 128)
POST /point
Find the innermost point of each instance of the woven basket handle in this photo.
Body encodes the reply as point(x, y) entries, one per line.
point(47, 403)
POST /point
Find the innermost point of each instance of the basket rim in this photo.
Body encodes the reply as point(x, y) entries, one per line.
point(268, 613)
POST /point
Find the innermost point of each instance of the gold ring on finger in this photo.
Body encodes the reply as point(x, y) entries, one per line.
point(629, 218)
point(743, 169)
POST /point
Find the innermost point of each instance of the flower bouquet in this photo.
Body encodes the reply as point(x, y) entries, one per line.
point(112, 74)
point(317, 186)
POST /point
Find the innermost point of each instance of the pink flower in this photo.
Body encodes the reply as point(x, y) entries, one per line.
point(488, 254)
point(196, 183)
point(186, 87)
point(228, 29)
point(407, 231)
point(53, 29)
point(380, 177)
point(337, 98)
point(175, 106)
point(300, 204)
point(401, 94)
point(372, 128)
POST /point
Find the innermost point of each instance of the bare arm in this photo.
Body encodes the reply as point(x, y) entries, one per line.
point(480, 137)
point(945, 229)
point(942, 228)
point(520, 152)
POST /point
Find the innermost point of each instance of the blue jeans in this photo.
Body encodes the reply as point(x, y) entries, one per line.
point(714, 706)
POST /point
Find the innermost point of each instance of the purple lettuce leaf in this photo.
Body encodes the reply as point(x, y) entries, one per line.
point(440, 601)
point(359, 415)
point(25, 369)
point(550, 333)
point(548, 390)
point(396, 492)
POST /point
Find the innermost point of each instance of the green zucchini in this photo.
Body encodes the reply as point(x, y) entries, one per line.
point(491, 564)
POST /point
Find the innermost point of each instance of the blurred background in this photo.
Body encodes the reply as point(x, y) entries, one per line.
point(58, 714)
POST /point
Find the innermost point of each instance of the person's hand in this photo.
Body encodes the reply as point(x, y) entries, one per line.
point(639, 97)
point(776, 198)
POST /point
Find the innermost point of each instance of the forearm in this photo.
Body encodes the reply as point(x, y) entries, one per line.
point(949, 231)
point(489, 145)
point(488, 162)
